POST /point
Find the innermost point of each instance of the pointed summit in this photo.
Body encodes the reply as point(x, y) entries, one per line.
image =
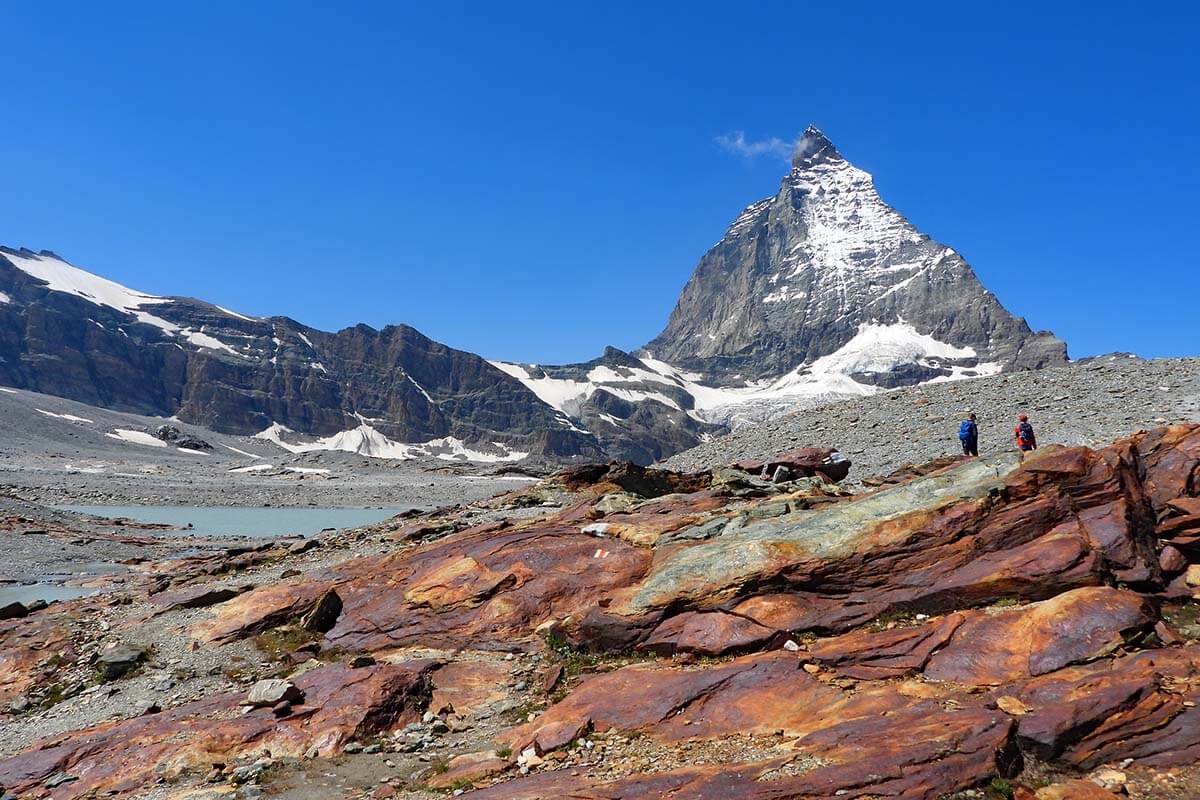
point(813, 148)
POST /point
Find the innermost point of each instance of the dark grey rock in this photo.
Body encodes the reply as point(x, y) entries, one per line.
point(119, 660)
point(324, 615)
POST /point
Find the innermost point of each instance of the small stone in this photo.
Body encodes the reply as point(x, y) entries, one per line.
point(1012, 706)
point(272, 691)
point(247, 774)
point(812, 669)
point(1192, 576)
point(58, 779)
point(1171, 561)
point(119, 660)
point(352, 748)
point(372, 749)
point(19, 705)
point(428, 717)
point(282, 709)
point(791, 646)
point(1110, 779)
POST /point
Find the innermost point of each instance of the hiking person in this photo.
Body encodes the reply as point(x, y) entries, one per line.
point(1026, 441)
point(968, 434)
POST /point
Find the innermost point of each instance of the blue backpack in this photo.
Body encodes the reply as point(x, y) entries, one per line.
point(966, 430)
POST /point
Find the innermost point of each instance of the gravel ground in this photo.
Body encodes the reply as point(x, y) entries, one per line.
point(1092, 402)
point(55, 451)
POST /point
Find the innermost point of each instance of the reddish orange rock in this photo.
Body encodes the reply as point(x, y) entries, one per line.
point(466, 686)
point(468, 768)
point(31, 648)
point(1073, 790)
point(122, 758)
point(870, 655)
point(1080, 625)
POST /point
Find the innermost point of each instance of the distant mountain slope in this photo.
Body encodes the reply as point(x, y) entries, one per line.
point(66, 332)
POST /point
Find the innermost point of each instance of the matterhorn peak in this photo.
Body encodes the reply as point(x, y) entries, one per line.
point(813, 148)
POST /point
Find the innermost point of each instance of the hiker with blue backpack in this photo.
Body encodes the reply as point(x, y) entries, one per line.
point(968, 434)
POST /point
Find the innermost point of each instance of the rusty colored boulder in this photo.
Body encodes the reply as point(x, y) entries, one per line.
point(1134, 706)
point(1008, 645)
point(468, 768)
point(31, 651)
point(467, 686)
point(709, 633)
point(808, 462)
point(878, 655)
point(1073, 790)
point(121, 758)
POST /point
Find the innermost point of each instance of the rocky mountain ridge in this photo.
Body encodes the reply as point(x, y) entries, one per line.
point(66, 332)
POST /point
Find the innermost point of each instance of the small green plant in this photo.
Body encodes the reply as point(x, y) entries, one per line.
point(504, 752)
point(278, 642)
point(441, 766)
point(999, 787)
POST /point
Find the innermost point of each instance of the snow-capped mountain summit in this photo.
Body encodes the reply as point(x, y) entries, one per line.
point(804, 273)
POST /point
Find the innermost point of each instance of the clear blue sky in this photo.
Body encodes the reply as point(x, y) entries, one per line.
point(533, 181)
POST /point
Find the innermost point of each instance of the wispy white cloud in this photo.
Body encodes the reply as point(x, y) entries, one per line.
point(736, 142)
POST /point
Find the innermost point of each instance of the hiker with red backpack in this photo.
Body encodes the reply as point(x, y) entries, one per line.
point(1026, 441)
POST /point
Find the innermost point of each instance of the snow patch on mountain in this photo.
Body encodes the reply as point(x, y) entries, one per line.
point(876, 348)
point(211, 342)
point(60, 276)
point(567, 396)
point(136, 437)
point(367, 441)
point(67, 417)
point(5, 298)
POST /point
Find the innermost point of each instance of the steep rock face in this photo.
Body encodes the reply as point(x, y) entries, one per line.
point(799, 275)
point(66, 332)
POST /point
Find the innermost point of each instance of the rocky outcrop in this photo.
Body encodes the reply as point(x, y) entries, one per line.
point(718, 635)
point(338, 704)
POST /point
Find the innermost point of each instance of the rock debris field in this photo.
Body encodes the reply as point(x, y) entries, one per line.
point(1089, 402)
